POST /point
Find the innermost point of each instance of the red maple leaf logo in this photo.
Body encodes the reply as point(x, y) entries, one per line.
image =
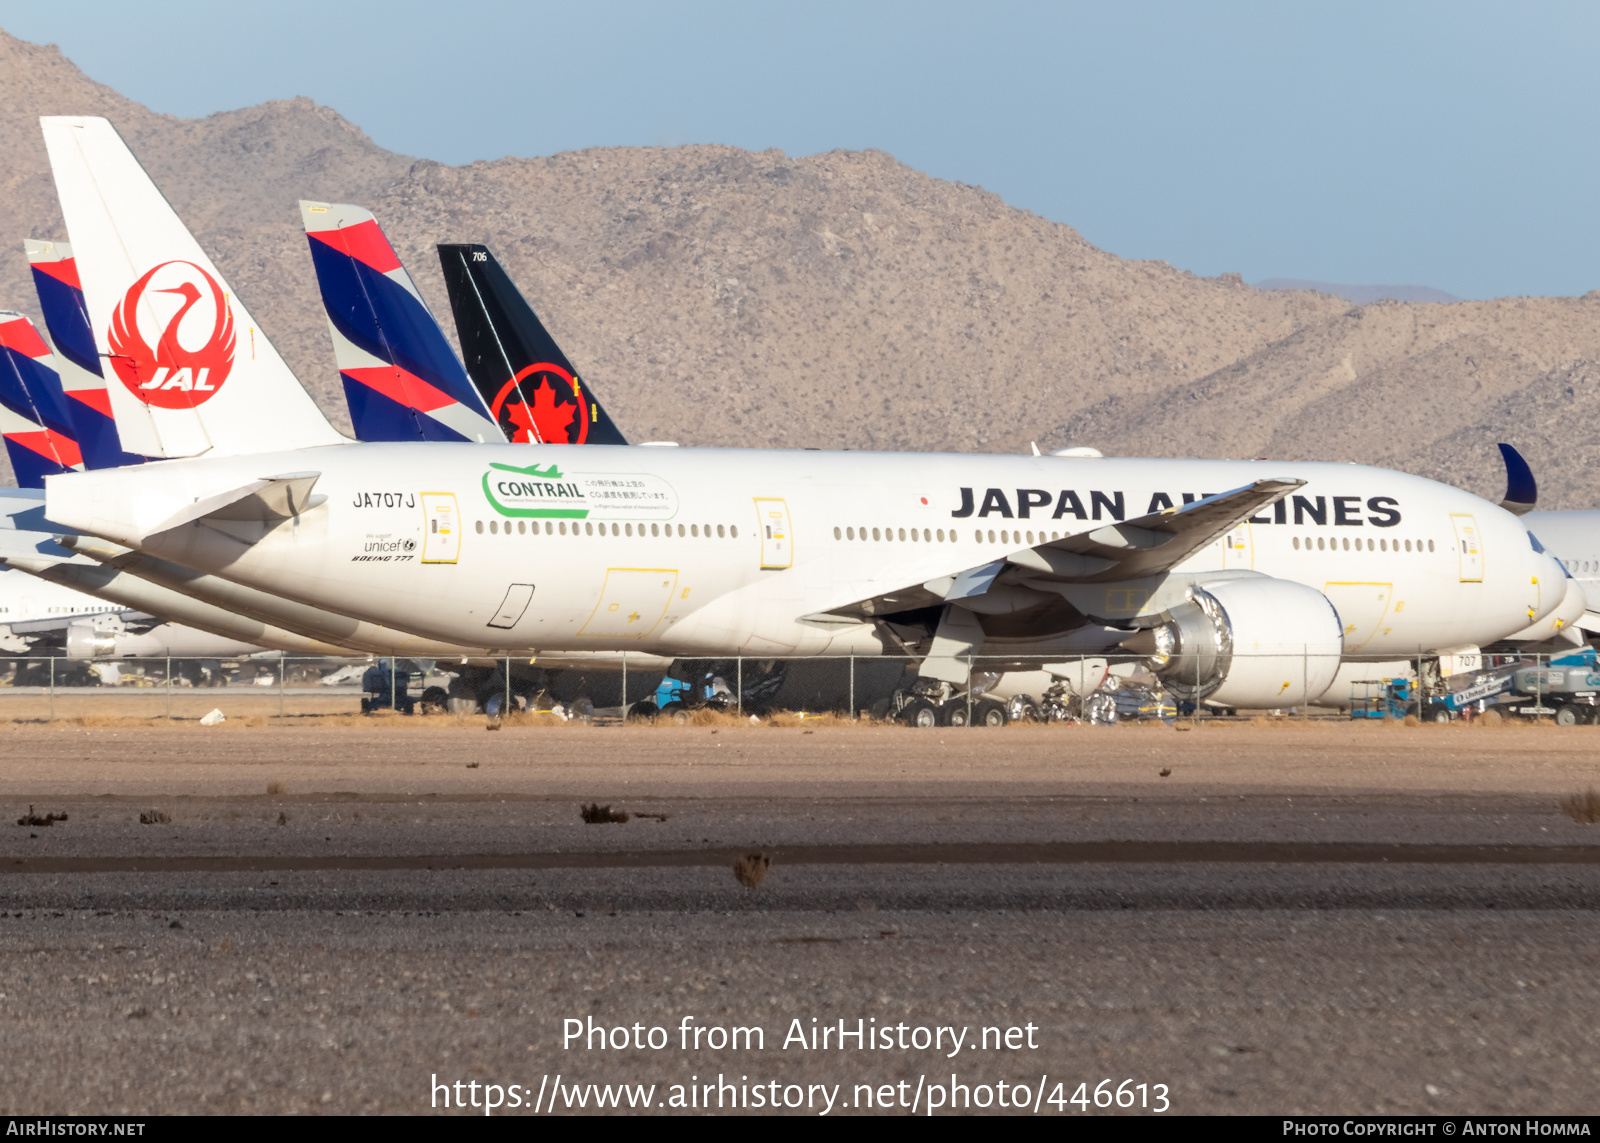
point(544, 420)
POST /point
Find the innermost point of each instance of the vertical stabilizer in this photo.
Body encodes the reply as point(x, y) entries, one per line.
point(34, 419)
point(187, 368)
point(531, 388)
point(401, 378)
point(66, 320)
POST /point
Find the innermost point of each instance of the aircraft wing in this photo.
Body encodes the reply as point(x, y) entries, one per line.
point(1146, 546)
point(1153, 543)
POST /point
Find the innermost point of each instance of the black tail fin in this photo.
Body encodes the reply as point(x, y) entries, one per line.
point(527, 382)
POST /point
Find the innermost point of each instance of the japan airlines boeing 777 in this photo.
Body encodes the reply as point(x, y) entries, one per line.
point(1245, 583)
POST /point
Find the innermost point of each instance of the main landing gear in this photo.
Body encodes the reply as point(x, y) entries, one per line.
point(932, 702)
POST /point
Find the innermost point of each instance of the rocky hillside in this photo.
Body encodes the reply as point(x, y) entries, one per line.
point(724, 297)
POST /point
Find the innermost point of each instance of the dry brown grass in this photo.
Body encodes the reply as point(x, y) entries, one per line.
point(751, 869)
point(1583, 808)
point(596, 814)
point(155, 817)
point(274, 789)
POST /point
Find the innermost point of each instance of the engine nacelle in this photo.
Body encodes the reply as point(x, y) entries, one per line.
point(87, 640)
point(1254, 642)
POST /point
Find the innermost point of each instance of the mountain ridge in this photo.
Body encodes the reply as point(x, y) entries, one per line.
point(724, 297)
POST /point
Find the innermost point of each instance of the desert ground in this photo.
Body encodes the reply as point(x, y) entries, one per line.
point(324, 913)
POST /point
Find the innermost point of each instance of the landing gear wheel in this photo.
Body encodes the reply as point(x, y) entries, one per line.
point(1566, 716)
point(434, 700)
point(989, 712)
point(921, 713)
point(955, 712)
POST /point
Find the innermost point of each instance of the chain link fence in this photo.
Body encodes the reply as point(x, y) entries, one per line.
point(993, 690)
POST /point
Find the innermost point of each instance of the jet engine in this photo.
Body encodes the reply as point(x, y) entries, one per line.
point(1255, 642)
point(94, 638)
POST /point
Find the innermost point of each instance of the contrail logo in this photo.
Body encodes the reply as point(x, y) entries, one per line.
point(193, 350)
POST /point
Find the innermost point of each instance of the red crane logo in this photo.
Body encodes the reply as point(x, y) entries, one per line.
point(192, 354)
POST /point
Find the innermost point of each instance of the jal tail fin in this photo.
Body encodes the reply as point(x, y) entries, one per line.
point(531, 388)
point(1522, 492)
point(402, 380)
point(34, 419)
point(187, 368)
point(66, 320)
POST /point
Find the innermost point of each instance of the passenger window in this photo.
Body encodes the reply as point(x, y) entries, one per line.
point(1319, 544)
point(902, 533)
point(1347, 545)
point(733, 530)
point(1408, 545)
point(941, 535)
point(480, 527)
point(875, 534)
point(837, 535)
point(1430, 545)
point(494, 527)
point(719, 531)
point(849, 533)
point(991, 537)
point(1297, 543)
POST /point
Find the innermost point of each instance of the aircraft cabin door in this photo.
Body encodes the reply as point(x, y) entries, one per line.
point(1469, 547)
point(441, 542)
point(777, 539)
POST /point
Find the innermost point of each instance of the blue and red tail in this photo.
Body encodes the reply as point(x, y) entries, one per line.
point(33, 410)
point(66, 318)
point(401, 378)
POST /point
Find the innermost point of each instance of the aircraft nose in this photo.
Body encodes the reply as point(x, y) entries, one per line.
point(1551, 582)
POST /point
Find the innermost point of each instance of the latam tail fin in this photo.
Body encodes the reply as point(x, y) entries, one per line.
point(66, 319)
point(531, 388)
point(33, 409)
point(187, 368)
point(401, 378)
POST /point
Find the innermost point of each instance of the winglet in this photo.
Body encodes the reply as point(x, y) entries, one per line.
point(1522, 492)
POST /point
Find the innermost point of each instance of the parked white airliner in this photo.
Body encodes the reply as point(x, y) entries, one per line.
point(1245, 583)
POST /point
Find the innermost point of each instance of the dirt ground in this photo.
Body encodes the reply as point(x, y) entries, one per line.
point(329, 913)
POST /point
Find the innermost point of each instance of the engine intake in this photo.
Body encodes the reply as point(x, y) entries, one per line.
point(1257, 642)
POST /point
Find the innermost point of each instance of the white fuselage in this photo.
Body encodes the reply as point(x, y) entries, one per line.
point(1573, 538)
point(710, 552)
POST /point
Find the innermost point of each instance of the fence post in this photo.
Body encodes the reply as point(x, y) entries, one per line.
point(624, 686)
point(969, 688)
point(505, 709)
point(1305, 680)
point(169, 687)
point(852, 686)
point(52, 688)
point(738, 664)
point(283, 674)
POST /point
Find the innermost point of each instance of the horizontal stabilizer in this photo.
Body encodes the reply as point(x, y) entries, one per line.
point(268, 500)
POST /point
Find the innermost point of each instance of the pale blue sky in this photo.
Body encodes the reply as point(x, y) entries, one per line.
point(1451, 145)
